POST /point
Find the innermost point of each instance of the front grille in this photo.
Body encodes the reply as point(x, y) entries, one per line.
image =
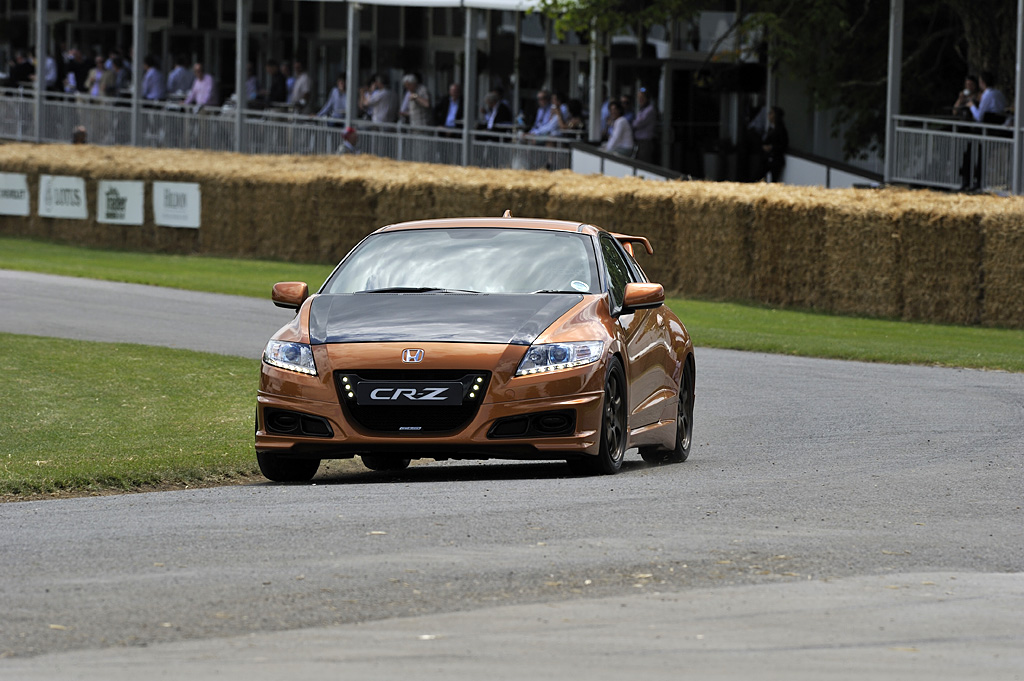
point(411, 419)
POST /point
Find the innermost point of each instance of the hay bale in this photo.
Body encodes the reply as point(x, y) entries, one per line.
point(862, 260)
point(1003, 267)
point(898, 254)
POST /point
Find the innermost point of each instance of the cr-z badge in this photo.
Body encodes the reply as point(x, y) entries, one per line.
point(412, 355)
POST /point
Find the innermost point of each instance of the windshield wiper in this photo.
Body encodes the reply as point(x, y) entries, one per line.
point(553, 290)
point(417, 289)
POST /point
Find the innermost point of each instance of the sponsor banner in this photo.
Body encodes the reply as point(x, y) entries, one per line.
point(176, 204)
point(120, 202)
point(62, 196)
point(14, 199)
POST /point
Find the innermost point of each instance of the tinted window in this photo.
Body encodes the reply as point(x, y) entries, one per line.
point(486, 260)
point(618, 271)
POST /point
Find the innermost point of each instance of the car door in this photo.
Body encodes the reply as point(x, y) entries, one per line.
point(643, 333)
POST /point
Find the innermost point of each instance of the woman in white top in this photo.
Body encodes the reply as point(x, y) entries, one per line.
point(621, 139)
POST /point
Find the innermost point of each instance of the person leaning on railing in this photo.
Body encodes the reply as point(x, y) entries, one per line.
point(335, 107)
point(991, 106)
point(203, 92)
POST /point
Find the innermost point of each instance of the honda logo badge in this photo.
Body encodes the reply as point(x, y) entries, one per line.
point(412, 355)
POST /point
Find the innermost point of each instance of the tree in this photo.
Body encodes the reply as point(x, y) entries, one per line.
point(839, 49)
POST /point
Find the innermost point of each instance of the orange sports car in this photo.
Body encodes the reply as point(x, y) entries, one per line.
point(477, 338)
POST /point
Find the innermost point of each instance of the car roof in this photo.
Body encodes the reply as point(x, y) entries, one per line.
point(500, 222)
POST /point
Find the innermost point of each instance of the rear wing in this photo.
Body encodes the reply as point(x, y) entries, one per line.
point(628, 241)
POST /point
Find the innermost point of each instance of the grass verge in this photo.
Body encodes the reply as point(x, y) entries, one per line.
point(82, 416)
point(252, 278)
point(720, 325)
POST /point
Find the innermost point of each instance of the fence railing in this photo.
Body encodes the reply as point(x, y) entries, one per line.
point(108, 121)
point(953, 154)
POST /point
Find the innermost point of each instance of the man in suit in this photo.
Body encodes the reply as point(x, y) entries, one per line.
point(449, 111)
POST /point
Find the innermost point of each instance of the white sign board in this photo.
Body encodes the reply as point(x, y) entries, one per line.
point(14, 194)
point(62, 196)
point(176, 204)
point(120, 202)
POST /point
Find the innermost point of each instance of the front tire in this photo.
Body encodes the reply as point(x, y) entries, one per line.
point(284, 469)
point(614, 427)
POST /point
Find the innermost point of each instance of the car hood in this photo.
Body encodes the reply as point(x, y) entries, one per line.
point(515, 319)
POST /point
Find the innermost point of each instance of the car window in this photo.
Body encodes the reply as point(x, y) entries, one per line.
point(487, 260)
point(618, 271)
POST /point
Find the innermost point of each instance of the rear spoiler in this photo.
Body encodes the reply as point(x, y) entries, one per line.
point(628, 241)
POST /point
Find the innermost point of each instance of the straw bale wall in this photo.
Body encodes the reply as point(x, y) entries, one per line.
point(893, 253)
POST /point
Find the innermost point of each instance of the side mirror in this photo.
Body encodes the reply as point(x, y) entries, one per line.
point(290, 294)
point(643, 297)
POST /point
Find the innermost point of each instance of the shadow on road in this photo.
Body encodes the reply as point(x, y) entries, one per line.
point(352, 473)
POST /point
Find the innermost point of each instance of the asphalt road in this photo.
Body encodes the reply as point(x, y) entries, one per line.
point(835, 520)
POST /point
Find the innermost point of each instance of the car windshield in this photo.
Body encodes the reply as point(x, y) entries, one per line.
point(483, 260)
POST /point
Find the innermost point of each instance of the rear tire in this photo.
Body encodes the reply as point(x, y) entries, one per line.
point(285, 469)
point(684, 423)
point(383, 462)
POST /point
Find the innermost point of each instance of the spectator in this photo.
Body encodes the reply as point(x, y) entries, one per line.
point(644, 126)
point(179, 80)
point(962, 105)
point(449, 111)
point(78, 136)
point(154, 86)
point(111, 77)
point(574, 123)
point(21, 71)
point(349, 138)
point(551, 110)
point(336, 105)
point(991, 107)
point(775, 143)
point(620, 141)
point(627, 108)
point(92, 82)
point(289, 79)
point(51, 75)
point(496, 113)
point(298, 92)
point(543, 112)
point(415, 109)
point(375, 99)
point(278, 93)
point(79, 68)
point(252, 87)
point(203, 91)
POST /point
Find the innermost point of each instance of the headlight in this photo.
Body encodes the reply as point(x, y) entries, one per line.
point(291, 356)
point(555, 356)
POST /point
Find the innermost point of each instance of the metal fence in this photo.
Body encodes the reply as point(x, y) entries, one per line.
point(951, 154)
point(109, 121)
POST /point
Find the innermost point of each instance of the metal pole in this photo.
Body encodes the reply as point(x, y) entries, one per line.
point(892, 99)
point(596, 80)
point(517, 53)
point(352, 64)
point(138, 26)
point(1018, 103)
point(40, 67)
point(469, 91)
point(241, 67)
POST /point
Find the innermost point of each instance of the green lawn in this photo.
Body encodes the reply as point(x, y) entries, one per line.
point(81, 416)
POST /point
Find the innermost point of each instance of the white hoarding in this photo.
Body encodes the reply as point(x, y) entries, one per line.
point(176, 204)
point(120, 202)
point(14, 198)
point(62, 196)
